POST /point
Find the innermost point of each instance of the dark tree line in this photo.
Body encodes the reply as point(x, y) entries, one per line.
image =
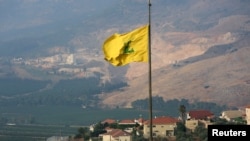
point(64, 92)
point(171, 106)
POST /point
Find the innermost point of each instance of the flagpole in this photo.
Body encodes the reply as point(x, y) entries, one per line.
point(150, 73)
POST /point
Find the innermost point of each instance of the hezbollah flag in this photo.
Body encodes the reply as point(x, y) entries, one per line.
point(121, 49)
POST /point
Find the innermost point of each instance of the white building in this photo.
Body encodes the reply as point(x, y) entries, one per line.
point(248, 114)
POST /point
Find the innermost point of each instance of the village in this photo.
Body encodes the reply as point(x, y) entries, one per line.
point(193, 123)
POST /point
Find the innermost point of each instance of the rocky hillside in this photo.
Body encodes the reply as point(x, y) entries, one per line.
point(199, 48)
point(207, 63)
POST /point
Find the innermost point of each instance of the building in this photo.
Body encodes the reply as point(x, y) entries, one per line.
point(198, 117)
point(116, 135)
point(191, 124)
point(248, 114)
point(109, 121)
point(162, 127)
point(57, 138)
point(230, 115)
point(127, 122)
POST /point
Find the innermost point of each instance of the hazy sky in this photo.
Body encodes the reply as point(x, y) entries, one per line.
point(18, 14)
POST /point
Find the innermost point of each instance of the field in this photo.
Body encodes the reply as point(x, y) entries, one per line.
point(33, 132)
point(39, 123)
point(65, 115)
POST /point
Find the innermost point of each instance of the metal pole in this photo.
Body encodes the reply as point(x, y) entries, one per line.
point(149, 74)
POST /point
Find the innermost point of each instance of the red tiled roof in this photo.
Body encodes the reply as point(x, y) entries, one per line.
point(117, 133)
point(109, 121)
point(200, 114)
point(163, 120)
point(127, 121)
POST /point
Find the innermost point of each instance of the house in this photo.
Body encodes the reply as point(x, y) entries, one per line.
point(230, 115)
point(108, 129)
point(248, 114)
point(191, 124)
point(109, 121)
point(126, 122)
point(57, 138)
point(198, 117)
point(116, 135)
point(161, 127)
point(130, 124)
point(92, 127)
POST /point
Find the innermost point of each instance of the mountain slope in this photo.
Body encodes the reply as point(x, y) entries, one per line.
point(205, 58)
point(223, 79)
point(199, 48)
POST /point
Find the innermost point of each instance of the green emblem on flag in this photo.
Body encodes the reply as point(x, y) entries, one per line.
point(127, 48)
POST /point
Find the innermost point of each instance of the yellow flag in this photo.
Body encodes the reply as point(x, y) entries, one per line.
point(121, 49)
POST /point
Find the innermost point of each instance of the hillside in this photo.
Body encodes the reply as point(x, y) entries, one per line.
point(199, 48)
point(209, 65)
point(223, 80)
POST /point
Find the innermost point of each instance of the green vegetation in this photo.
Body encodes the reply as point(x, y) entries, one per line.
point(33, 132)
point(15, 86)
point(171, 106)
point(72, 103)
point(40, 122)
point(51, 120)
point(65, 115)
point(199, 134)
point(65, 92)
point(83, 133)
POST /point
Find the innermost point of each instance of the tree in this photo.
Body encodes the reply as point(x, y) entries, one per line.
point(182, 110)
point(180, 133)
point(201, 133)
point(137, 135)
point(83, 133)
point(99, 129)
point(180, 127)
